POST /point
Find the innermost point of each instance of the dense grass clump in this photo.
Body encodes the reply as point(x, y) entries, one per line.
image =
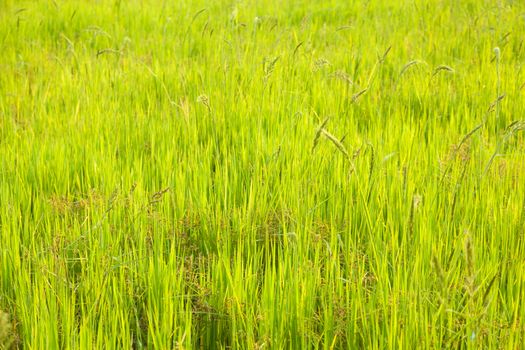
point(249, 175)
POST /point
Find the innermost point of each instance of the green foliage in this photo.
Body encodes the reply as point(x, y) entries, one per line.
point(249, 175)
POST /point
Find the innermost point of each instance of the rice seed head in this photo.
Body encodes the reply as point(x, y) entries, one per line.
point(6, 331)
point(269, 66)
point(343, 76)
point(336, 142)
point(469, 254)
point(205, 101)
point(486, 294)
point(320, 64)
point(439, 270)
point(417, 200)
point(382, 58)
point(495, 103)
point(443, 68)
point(497, 52)
point(408, 65)
point(318, 132)
point(359, 94)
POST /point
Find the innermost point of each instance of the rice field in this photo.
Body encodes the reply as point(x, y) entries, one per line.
point(262, 174)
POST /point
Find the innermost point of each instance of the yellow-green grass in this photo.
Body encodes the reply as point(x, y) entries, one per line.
point(262, 174)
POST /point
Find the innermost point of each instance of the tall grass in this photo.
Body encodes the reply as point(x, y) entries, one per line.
point(255, 175)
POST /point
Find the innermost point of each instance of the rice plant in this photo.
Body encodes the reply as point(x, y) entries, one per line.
point(262, 175)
